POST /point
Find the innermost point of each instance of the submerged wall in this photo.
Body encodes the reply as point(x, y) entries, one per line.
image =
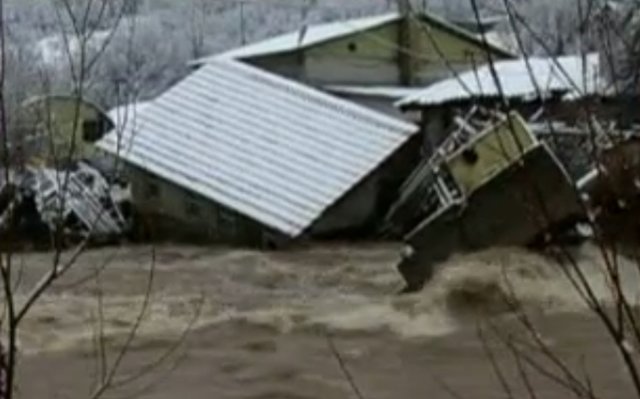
point(169, 212)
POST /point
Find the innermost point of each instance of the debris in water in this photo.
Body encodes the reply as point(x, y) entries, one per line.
point(78, 201)
point(491, 183)
point(612, 194)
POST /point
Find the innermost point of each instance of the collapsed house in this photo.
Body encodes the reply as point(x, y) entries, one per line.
point(237, 154)
point(490, 178)
point(492, 182)
point(81, 199)
point(58, 129)
point(52, 186)
point(69, 205)
point(300, 136)
point(315, 162)
point(358, 60)
point(353, 178)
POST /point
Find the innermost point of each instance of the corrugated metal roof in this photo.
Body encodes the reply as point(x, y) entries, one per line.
point(272, 149)
point(127, 113)
point(567, 74)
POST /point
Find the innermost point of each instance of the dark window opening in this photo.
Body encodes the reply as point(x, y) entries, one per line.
point(470, 156)
point(92, 130)
point(352, 47)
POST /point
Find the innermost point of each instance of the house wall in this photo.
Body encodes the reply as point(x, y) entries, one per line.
point(352, 213)
point(437, 122)
point(171, 212)
point(493, 152)
point(365, 207)
point(289, 65)
point(364, 58)
point(436, 42)
point(372, 57)
point(55, 118)
point(380, 104)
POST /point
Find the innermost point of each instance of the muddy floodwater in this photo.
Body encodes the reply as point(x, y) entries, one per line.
point(316, 323)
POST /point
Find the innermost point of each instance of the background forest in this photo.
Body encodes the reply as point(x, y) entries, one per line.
point(149, 48)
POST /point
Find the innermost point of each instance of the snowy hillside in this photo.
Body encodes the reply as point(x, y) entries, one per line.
point(150, 47)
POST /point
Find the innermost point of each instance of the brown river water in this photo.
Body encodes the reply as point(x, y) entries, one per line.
point(303, 324)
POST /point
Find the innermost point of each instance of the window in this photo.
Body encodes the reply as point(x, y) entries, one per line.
point(92, 130)
point(353, 47)
point(470, 156)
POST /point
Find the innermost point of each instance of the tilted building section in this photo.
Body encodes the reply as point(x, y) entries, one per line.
point(244, 155)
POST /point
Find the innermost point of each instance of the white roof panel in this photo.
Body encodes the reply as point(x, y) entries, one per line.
point(390, 92)
point(272, 149)
point(312, 35)
point(304, 38)
point(126, 114)
point(518, 79)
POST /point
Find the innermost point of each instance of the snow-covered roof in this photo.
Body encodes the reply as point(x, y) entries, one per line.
point(304, 38)
point(391, 92)
point(325, 32)
point(274, 150)
point(572, 76)
point(127, 114)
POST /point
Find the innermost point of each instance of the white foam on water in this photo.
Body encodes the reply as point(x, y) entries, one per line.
point(337, 291)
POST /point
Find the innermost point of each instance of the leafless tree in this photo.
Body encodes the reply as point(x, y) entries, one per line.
point(86, 29)
point(595, 27)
